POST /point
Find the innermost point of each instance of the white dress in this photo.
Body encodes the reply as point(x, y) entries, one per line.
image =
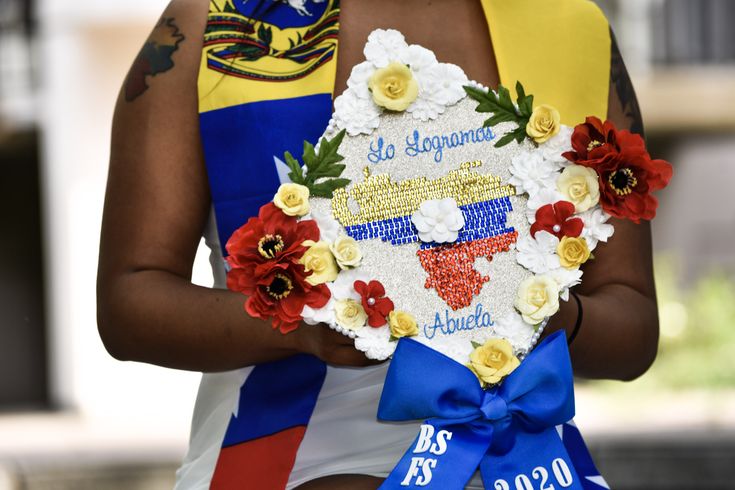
point(343, 435)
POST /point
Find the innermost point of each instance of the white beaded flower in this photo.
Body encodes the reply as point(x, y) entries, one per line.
point(538, 254)
point(356, 115)
point(438, 220)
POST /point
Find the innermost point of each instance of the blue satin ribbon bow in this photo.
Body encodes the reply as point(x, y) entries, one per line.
point(508, 431)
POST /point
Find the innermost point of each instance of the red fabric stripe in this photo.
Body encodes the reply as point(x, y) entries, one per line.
point(263, 464)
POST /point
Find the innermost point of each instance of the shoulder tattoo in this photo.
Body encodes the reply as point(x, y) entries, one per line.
point(620, 80)
point(155, 57)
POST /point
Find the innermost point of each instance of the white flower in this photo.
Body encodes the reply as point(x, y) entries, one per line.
point(325, 314)
point(596, 229)
point(512, 328)
point(344, 286)
point(542, 197)
point(425, 109)
point(531, 172)
point(438, 220)
point(384, 46)
point(566, 278)
point(443, 84)
point(328, 226)
point(558, 144)
point(538, 254)
point(356, 115)
point(375, 342)
point(358, 81)
point(418, 58)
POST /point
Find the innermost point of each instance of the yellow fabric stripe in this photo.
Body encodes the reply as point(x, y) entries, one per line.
point(558, 49)
point(218, 90)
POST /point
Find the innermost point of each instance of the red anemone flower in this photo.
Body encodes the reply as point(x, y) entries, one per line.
point(627, 174)
point(557, 220)
point(376, 304)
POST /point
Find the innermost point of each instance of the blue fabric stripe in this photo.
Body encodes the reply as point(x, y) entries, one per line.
point(239, 145)
point(276, 396)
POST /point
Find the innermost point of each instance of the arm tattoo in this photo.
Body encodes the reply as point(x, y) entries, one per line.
point(624, 88)
point(155, 57)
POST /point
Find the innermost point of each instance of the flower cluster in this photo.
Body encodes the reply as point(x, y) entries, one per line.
point(396, 76)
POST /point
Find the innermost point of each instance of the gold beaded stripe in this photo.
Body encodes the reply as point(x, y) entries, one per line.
point(379, 198)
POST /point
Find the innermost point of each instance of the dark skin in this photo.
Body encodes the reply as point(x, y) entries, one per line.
point(158, 201)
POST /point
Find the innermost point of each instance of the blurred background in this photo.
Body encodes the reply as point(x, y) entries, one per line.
point(71, 417)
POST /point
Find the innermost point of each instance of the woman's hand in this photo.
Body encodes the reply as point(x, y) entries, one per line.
point(330, 346)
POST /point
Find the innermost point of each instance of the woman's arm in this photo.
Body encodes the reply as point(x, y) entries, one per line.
point(618, 337)
point(156, 206)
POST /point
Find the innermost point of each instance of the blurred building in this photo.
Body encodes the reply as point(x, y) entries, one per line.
point(61, 63)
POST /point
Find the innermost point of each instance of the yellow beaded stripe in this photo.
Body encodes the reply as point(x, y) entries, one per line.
point(379, 198)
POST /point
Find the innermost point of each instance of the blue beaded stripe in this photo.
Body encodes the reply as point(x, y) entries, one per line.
point(482, 220)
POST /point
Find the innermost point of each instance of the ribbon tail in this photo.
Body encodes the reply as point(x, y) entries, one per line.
point(583, 463)
point(537, 460)
point(431, 462)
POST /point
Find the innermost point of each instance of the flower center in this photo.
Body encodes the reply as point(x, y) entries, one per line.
point(593, 144)
point(270, 245)
point(280, 287)
point(394, 87)
point(578, 190)
point(622, 181)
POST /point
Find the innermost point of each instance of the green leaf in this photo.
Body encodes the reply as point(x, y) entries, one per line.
point(327, 187)
point(520, 91)
point(475, 345)
point(296, 174)
point(505, 140)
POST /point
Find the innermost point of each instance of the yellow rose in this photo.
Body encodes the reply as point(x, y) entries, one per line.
point(393, 87)
point(402, 324)
point(319, 260)
point(493, 361)
point(292, 199)
point(572, 252)
point(543, 124)
point(346, 251)
point(537, 299)
point(581, 187)
point(350, 314)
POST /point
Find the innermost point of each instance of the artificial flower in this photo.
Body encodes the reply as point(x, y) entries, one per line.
point(271, 237)
point(355, 115)
point(323, 314)
point(344, 286)
point(384, 46)
point(544, 196)
point(418, 58)
point(557, 219)
point(627, 174)
point(358, 80)
point(493, 361)
point(393, 87)
point(543, 123)
point(554, 149)
point(328, 226)
point(292, 199)
point(402, 324)
point(376, 304)
point(349, 314)
point(438, 220)
point(596, 227)
point(566, 279)
point(579, 185)
point(318, 260)
point(538, 254)
point(347, 252)
point(512, 328)
point(281, 294)
point(537, 298)
point(443, 83)
point(572, 252)
point(375, 343)
point(530, 172)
